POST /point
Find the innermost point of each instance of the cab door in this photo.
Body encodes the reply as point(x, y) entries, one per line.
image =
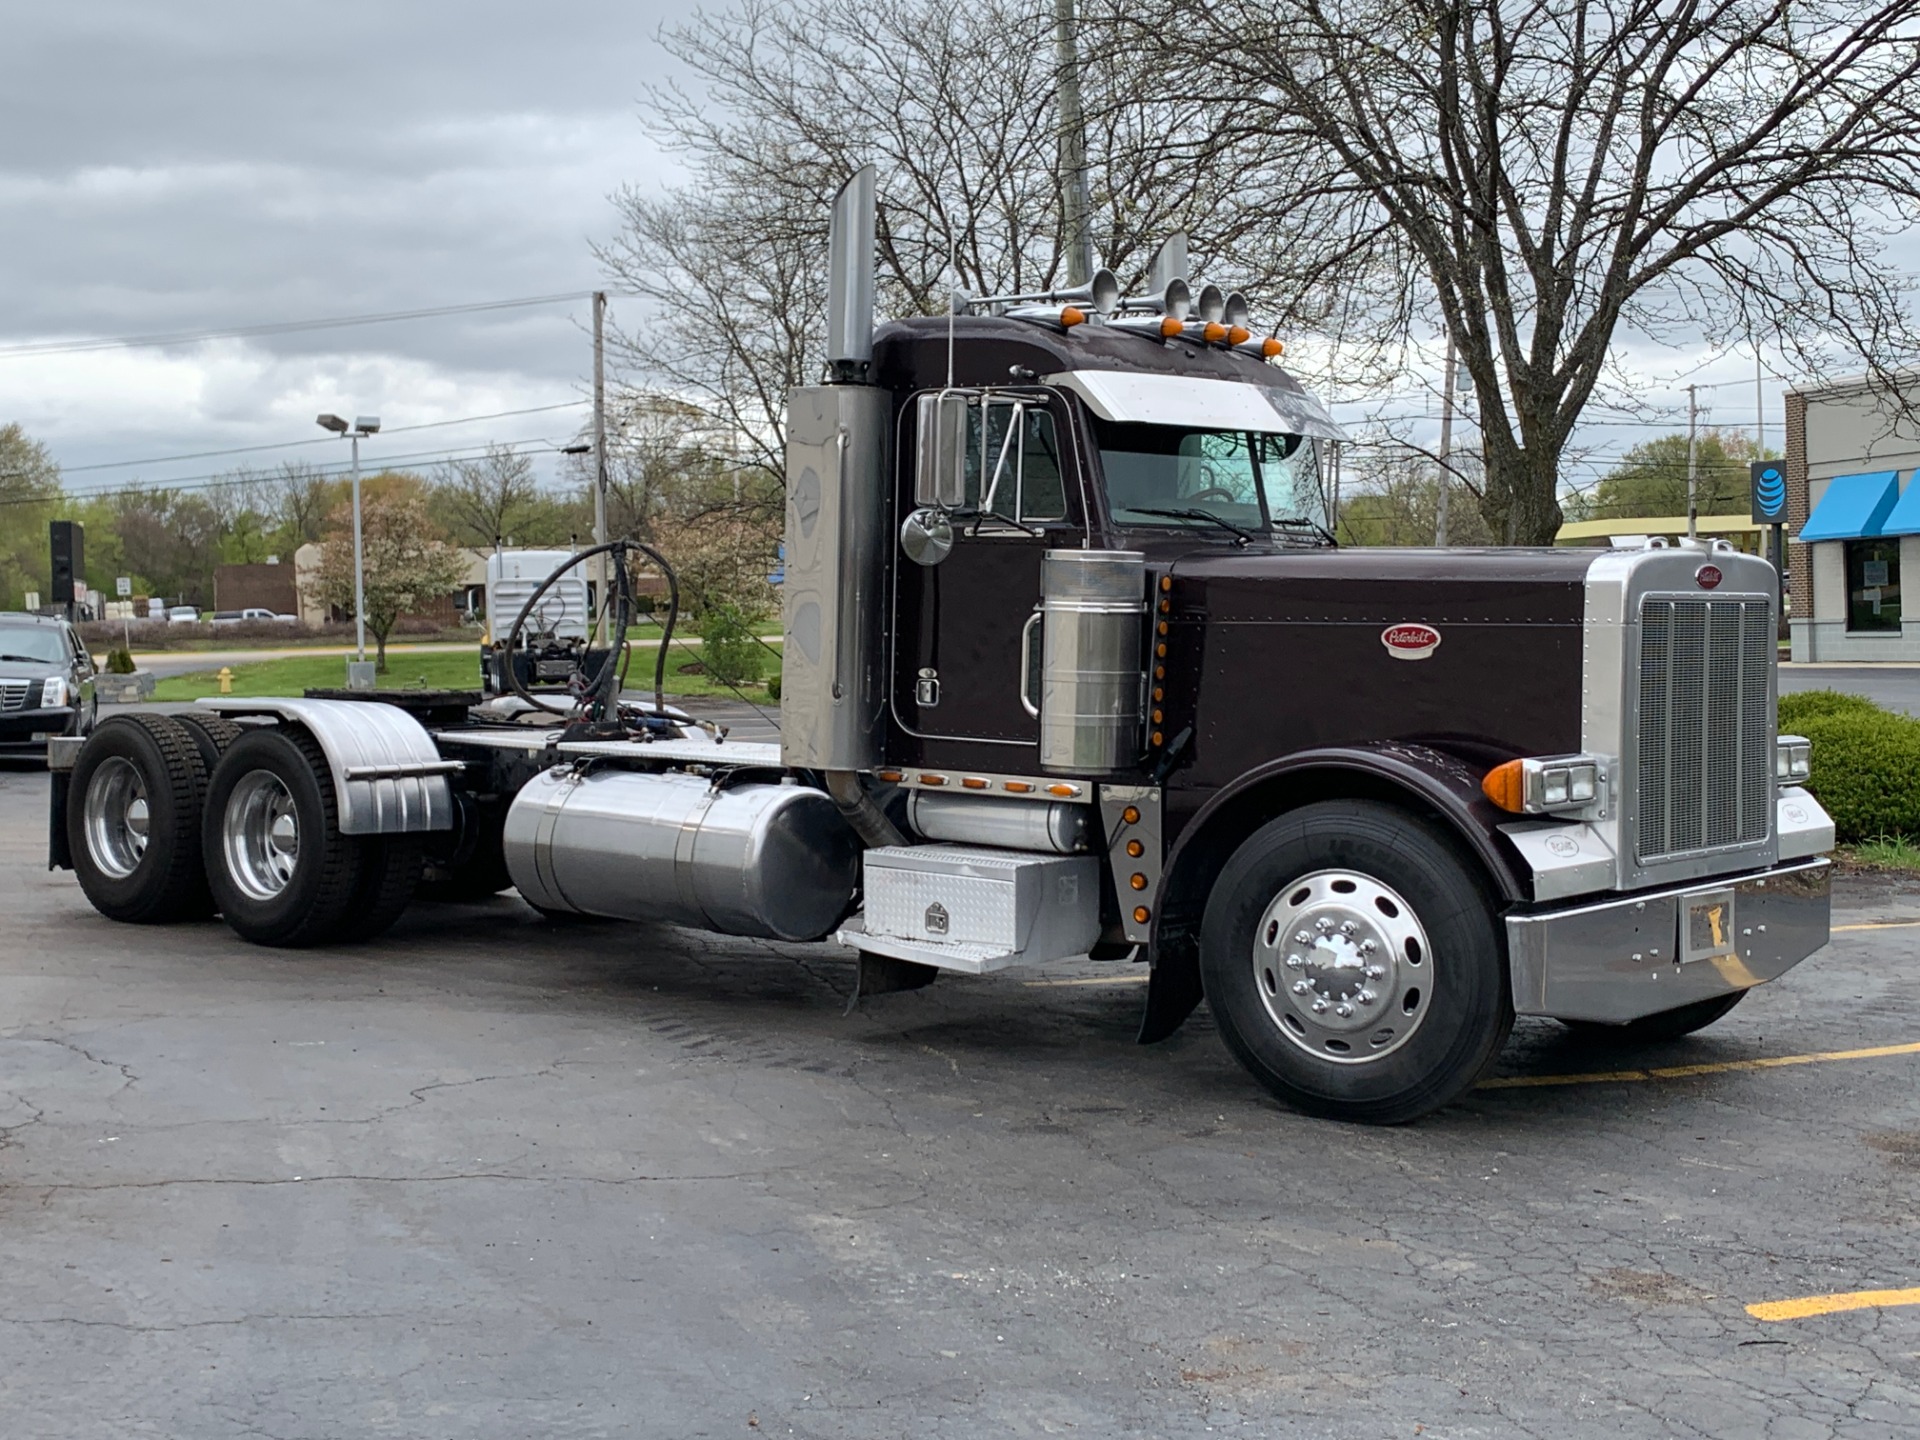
point(966, 650)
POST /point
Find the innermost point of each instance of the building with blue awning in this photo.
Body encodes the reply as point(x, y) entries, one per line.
point(1853, 511)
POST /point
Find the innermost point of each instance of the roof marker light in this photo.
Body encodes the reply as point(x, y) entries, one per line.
point(1072, 315)
point(1238, 334)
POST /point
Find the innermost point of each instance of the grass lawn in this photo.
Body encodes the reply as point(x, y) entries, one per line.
point(444, 670)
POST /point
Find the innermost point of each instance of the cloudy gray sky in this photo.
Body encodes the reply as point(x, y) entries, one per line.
point(207, 164)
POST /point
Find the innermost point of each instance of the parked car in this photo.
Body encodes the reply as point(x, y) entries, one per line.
point(183, 615)
point(46, 682)
point(252, 615)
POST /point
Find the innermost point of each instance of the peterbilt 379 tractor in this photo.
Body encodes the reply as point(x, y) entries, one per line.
point(1072, 668)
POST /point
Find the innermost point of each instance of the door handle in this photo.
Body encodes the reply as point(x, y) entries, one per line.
point(1026, 662)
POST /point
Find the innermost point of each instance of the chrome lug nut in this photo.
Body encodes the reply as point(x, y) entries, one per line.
point(1366, 997)
point(1323, 925)
point(1319, 1007)
point(1303, 937)
point(1301, 987)
point(1348, 928)
point(1343, 1010)
point(1367, 947)
point(1375, 972)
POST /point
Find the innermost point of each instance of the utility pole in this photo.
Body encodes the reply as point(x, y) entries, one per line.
point(1693, 462)
point(1446, 443)
point(1075, 203)
point(600, 447)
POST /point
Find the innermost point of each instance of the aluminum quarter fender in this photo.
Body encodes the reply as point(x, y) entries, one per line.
point(389, 778)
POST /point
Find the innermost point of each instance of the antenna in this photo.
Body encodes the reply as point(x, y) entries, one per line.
point(953, 289)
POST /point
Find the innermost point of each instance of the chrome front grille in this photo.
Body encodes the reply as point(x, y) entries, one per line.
point(13, 693)
point(1704, 761)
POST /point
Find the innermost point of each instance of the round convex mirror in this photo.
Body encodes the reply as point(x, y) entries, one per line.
point(927, 537)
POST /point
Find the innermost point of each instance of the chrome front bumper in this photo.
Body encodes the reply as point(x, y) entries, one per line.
point(1622, 959)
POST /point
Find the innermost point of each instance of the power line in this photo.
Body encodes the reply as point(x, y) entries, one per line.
point(276, 327)
point(317, 440)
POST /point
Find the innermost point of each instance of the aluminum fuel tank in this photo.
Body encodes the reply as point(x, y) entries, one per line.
point(774, 861)
point(1093, 604)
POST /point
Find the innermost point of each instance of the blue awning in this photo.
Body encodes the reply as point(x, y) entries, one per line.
point(1854, 506)
point(1905, 517)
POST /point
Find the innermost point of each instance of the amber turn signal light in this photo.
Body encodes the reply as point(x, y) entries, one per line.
point(1506, 786)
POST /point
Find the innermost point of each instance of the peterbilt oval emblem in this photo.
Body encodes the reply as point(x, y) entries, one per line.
point(1707, 577)
point(1410, 642)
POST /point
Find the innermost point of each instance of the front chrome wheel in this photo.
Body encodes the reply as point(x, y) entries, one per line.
point(1342, 964)
point(260, 835)
point(117, 818)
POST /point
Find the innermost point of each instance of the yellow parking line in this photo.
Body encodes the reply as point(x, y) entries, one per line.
point(1879, 925)
point(1683, 1072)
point(1832, 1304)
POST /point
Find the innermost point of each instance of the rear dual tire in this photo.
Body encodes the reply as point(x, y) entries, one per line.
point(280, 870)
point(133, 821)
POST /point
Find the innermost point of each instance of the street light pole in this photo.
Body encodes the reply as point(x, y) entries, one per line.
point(359, 564)
point(359, 677)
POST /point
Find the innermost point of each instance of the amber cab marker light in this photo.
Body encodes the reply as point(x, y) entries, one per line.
point(1020, 787)
point(1272, 349)
point(1170, 327)
point(1141, 914)
point(1238, 335)
point(1131, 814)
point(1506, 786)
point(1214, 332)
point(1135, 849)
point(973, 782)
point(1166, 582)
point(890, 776)
point(1137, 880)
point(933, 779)
point(1072, 315)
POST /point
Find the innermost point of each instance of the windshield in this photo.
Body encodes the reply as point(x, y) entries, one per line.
point(34, 642)
point(1226, 479)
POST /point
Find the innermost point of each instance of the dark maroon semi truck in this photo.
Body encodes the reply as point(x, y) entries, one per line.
point(1073, 668)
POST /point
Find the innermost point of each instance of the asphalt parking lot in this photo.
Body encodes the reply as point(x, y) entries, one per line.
point(492, 1177)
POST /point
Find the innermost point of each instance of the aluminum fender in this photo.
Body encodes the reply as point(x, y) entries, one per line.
point(389, 778)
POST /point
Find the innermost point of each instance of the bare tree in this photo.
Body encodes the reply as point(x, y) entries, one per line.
point(1540, 179)
point(483, 502)
point(954, 105)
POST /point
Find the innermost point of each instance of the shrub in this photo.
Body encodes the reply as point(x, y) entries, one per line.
point(728, 645)
point(119, 661)
point(1866, 766)
point(773, 687)
point(1795, 710)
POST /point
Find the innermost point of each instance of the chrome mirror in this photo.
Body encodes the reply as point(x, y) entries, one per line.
point(940, 476)
point(927, 537)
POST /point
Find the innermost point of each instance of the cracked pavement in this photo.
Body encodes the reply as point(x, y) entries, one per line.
point(493, 1177)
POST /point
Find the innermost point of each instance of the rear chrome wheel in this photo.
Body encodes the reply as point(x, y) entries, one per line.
point(133, 821)
point(282, 872)
point(1341, 963)
point(260, 835)
point(117, 818)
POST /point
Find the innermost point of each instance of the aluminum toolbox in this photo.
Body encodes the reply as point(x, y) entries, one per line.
point(963, 907)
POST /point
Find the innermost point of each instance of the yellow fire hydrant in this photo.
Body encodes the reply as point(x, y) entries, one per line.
point(226, 680)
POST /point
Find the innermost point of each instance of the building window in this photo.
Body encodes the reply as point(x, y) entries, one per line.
point(1873, 585)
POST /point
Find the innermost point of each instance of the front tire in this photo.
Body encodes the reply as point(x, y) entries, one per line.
point(133, 821)
point(1354, 964)
point(280, 870)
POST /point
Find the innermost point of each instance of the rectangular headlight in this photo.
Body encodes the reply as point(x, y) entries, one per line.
point(1792, 759)
point(1541, 786)
point(53, 693)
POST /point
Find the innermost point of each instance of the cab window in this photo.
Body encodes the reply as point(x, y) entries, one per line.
point(1032, 484)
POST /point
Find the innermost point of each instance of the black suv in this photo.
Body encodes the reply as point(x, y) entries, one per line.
point(46, 682)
